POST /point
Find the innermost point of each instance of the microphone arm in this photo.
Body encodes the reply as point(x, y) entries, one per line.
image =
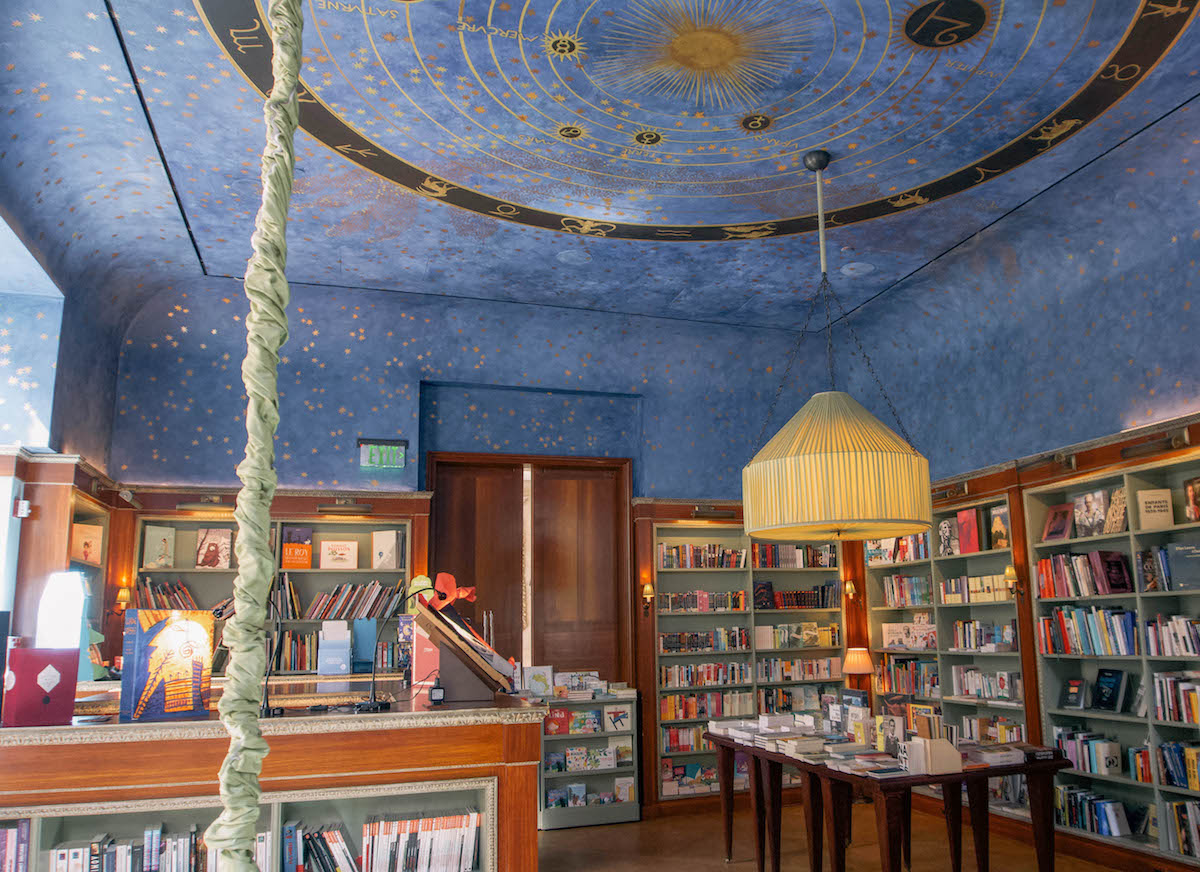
point(266, 710)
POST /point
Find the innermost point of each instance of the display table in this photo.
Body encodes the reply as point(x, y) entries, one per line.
point(482, 754)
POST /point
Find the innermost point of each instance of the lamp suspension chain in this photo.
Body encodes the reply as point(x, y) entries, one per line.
point(787, 370)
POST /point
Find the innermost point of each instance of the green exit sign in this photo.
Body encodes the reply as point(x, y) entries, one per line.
point(382, 453)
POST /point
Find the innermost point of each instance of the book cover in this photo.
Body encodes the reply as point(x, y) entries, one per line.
point(39, 687)
point(622, 750)
point(764, 594)
point(1149, 578)
point(1184, 562)
point(556, 761)
point(576, 795)
point(616, 718)
point(948, 544)
point(1116, 571)
point(1114, 521)
point(1071, 695)
point(297, 548)
point(385, 549)
point(556, 797)
point(1154, 509)
point(1108, 693)
point(158, 547)
point(339, 554)
point(889, 549)
point(214, 546)
point(557, 722)
point(538, 681)
point(1089, 513)
point(998, 527)
point(87, 541)
point(623, 788)
point(1059, 522)
point(167, 665)
point(968, 531)
point(873, 551)
point(1191, 499)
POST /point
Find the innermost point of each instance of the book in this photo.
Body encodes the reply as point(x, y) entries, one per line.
point(764, 594)
point(616, 718)
point(1183, 566)
point(158, 547)
point(339, 554)
point(297, 548)
point(1149, 577)
point(1071, 695)
point(39, 687)
point(1154, 509)
point(576, 795)
point(556, 797)
point(556, 761)
point(622, 749)
point(1116, 574)
point(166, 670)
point(1090, 511)
point(385, 549)
point(948, 537)
point(214, 546)
point(623, 788)
point(1191, 499)
point(538, 681)
point(557, 722)
point(1114, 521)
point(1108, 692)
point(999, 531)
point(87, 542)
point(1059, 522)
point(968, 531)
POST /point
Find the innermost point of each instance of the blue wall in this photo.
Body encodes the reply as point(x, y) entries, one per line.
point(29, 326)
point(357, 362)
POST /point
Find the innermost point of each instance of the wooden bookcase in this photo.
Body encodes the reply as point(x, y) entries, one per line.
point(667, 580)
point(1126, 726)
point(936, 569)
point(210, 586)
point(596, 780)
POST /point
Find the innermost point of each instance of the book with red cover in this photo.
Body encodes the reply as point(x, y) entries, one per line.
point(39, 687)
point(968, 531)
point(558, 722)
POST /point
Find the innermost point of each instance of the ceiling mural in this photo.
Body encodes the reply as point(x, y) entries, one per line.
point(688, 119)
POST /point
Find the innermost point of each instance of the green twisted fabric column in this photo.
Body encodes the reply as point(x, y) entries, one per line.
point(266, 330)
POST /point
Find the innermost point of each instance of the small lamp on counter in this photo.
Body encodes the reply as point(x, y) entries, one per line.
point(858, 662)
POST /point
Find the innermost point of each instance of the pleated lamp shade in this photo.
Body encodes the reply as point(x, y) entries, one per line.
point(835, 472)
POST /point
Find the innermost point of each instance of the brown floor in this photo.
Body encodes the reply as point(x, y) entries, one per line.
point(694, 843)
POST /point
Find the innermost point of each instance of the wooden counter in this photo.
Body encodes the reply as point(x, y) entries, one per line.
point(103, 768)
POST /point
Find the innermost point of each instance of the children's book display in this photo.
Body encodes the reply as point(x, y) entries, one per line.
point(166, 665)
point(39, 687)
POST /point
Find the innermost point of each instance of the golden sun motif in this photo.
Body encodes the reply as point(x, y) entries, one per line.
point(564, 46)
point(708, 52)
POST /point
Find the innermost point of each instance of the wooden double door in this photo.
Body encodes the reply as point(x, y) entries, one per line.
point(545, 543)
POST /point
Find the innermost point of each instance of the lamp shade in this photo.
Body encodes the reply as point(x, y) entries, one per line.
point(835, 472)
point(857, 662)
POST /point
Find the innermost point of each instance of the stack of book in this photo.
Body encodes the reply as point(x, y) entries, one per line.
point(702, 601)
point(1179, 764)
point(767, 555)
point(824, 596)
point(716, 639)
point(680, 740)
point(704, 674)
point(447, 843)
point(975, 635)
point(975, 589)
point(1084, 809)
point(1177, 696)
point(986, 729)
point(804, 635)
point(902, 591)
point(971, 681)
point(677, 707)
point(1090, 751)
point(1090, 574)
point(910, 676)
point(1176, 567)
point(1183, 827)
point(352, 601)
point(1176, 636)
point(15, 839)
point(1094, 631)
point(149, 594)
point(710, 556)
point(296, 653)
point(815, 668)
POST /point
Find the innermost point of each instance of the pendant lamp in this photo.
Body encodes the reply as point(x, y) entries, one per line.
point(834, 471)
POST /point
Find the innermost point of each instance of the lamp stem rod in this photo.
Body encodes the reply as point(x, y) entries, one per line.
point(821, 218)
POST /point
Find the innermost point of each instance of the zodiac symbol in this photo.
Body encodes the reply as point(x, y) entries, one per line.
point(569, 131)
point(674, 234)
point(648, 137)
point(911, 199)
point(984, 172)
point(505, 210)
point(1164, 10)
point(433, 187)
point(563, 45)
point(246, 37)
point(749, 231)
point(1121, 73)
point(361, 152)
point(755, 123)
point(1052, 131)
point(951, 30)
point(587, 227)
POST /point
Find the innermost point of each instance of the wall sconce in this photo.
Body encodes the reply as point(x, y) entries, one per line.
point(851, 590)
point(121, 603)
point(647, 598)
point(1010, 579)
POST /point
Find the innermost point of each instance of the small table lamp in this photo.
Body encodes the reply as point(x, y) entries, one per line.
point(858, 662)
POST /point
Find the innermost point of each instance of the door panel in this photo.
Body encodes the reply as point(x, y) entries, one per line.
point(577, 566)
point(476, 537)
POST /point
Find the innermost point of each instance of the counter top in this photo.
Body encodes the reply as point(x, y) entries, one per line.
point(405, 714)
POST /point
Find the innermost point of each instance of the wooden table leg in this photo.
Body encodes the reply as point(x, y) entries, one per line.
point(1041, 811)
point(756, 806)
point(772, 787)
point(889, 828)
point(833, 795)
point(813, 822)
point(725, 781)
point(977, 799)
point(952, 809)
point(906, 810)
point(847, 812)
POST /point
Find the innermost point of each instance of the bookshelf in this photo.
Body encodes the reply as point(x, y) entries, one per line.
point(350, 807)
point(210, 586)
point(595, 781)
point(1123, 725)
point(758, 677)
point(933, 569)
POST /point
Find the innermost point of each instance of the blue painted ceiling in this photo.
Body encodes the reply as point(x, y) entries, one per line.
point(635, 157)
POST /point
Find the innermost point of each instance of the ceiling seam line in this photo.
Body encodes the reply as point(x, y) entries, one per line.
point(162, 156)
point(1019, 206)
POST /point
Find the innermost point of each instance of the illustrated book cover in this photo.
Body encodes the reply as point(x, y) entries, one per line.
point(385, 549)
point(297, 548)
point(1060, 520)
point(948, 537)
point(1090, 511)
point(998, 528)
point(39, 687)
point(158, 547)
point(339, 554)
point(87, 542)
point(166, 665)
point(968, 531)
point(616, 718)
point(1114, 521)
point(214, 547)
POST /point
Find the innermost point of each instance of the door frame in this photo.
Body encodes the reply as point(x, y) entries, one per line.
point(627, 597)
